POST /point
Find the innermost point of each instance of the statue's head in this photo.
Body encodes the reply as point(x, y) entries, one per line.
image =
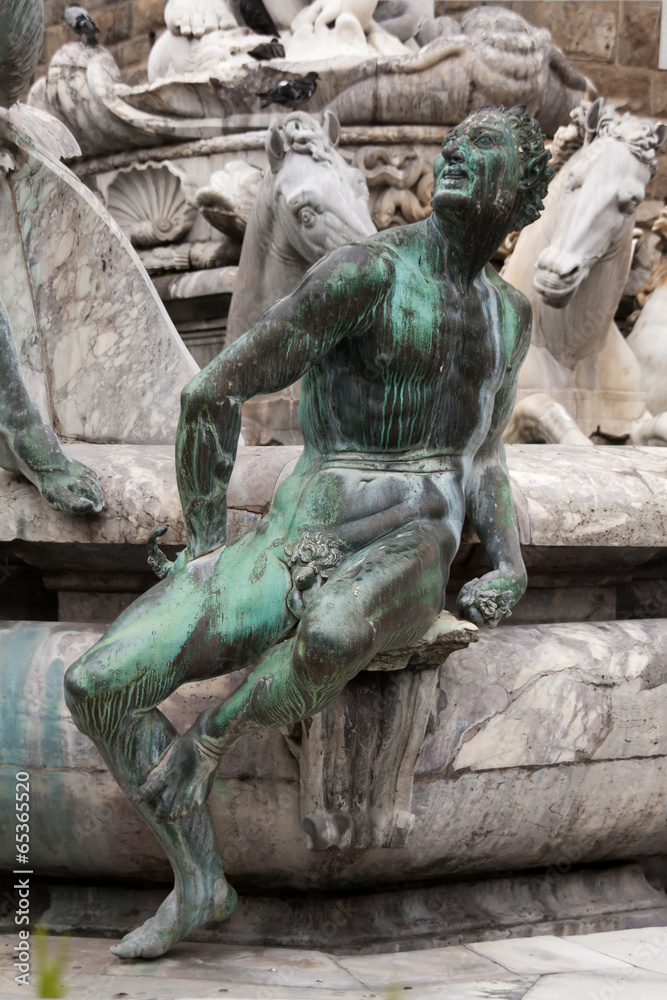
point(493, 163)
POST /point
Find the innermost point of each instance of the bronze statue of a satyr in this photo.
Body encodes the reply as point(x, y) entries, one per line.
point(408, 345)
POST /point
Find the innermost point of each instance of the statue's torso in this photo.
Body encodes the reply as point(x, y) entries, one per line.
point(420, 379)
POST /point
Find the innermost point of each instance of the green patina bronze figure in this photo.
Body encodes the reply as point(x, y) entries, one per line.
point(29, 446)
point(408, 345)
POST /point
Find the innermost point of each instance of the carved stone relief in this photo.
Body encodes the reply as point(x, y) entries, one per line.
point(149, 204)
point(357, 758)
point(400, 183)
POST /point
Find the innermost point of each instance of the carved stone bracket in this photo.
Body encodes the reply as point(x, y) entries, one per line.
point(400, 182)
point(358, 756)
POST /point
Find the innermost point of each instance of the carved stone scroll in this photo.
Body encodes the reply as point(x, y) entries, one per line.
point(357, 758)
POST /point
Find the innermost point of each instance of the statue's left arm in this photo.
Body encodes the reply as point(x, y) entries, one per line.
point(489, 501)
point(335, 298)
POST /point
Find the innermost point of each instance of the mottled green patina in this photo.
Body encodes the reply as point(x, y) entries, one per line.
point(408, 345)
point(29, 446)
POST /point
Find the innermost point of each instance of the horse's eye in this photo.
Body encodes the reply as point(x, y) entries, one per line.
point(628, 205)
point(307, 217)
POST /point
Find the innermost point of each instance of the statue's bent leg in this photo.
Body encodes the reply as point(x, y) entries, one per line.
point(28, 446)
point(177, 632)
point(383, 597)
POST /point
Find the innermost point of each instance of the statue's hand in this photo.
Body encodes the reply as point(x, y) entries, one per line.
point(158, 561)
point(180, 781)
point(486, 600)
point(198, 17)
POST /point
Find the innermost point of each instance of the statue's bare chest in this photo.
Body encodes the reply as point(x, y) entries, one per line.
point(427, 332)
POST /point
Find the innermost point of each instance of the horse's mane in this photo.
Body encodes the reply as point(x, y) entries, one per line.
point(639, 134)
point(303, 134)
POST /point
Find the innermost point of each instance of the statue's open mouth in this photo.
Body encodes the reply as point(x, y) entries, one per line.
point(453, 171)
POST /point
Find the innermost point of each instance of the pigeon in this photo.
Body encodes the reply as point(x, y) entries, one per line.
point(268, 50)
point(256, 16)
point(291, 93)
point(82, 23)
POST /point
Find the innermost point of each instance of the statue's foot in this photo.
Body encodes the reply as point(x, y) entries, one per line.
point(176, 918)
point(74, 489)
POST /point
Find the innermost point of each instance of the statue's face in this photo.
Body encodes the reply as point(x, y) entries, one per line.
point(480, 164)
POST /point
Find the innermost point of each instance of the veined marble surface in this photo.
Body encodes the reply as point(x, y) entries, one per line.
point(565, 496)
point(546, 747)
point(101, 356)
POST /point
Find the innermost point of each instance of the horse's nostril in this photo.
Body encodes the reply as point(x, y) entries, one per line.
point(571, 273)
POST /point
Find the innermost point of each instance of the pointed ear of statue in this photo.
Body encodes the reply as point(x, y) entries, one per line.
point(519, 110)
point(331, 127)
point(536, 170)
point(275, 148)
point(661, 133)
point(592, 120)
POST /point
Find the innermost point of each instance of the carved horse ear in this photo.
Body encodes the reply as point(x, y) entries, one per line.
point(592, 119)
point(331, 127)
point(661, 133)
point(275, 148)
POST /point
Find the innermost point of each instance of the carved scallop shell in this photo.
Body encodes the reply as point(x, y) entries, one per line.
point(149, 204)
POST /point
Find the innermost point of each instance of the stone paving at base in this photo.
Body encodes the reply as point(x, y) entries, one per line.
point(618, 965)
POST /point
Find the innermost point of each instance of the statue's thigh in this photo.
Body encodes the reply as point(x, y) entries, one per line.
point(387, 594)
point(217, 614)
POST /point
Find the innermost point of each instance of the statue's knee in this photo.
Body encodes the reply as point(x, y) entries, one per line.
point(330, 652)
point(194, 394)
point(80, 690)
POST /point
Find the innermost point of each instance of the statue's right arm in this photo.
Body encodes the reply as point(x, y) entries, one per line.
point(336, 298)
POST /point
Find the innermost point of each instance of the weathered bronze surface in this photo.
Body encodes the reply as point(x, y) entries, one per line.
point(28, 446)
point(408, 345)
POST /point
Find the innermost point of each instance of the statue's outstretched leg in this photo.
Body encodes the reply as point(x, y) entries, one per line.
point(28, 446)
point(384, 596)
point(188, 627)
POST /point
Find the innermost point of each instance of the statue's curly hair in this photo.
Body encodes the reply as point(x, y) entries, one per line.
point(534, 158)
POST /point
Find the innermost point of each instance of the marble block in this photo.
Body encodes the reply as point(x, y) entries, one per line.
point(101, 356)
point(603, 498)
point(502, 784)
point(644, 948)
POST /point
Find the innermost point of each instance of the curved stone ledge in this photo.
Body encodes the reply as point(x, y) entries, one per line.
point(547, 747)
point(565, 497)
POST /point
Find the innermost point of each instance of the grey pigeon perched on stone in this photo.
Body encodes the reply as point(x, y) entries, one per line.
point(268, 50)
point(291, 93)
point(82, 23)
point(256, 16)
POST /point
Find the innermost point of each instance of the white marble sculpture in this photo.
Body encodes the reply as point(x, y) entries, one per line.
point(310, 201)
point(226, 201)
point(201, 36)
point(98, 351)
point(648, 339)
point(203, 74)
point(580, 375)
point(338, 30)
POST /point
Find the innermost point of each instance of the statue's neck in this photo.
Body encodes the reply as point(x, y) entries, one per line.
point(467, 244)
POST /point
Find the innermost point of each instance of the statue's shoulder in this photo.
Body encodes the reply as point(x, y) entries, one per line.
point(510, 296)
point(372, 257)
